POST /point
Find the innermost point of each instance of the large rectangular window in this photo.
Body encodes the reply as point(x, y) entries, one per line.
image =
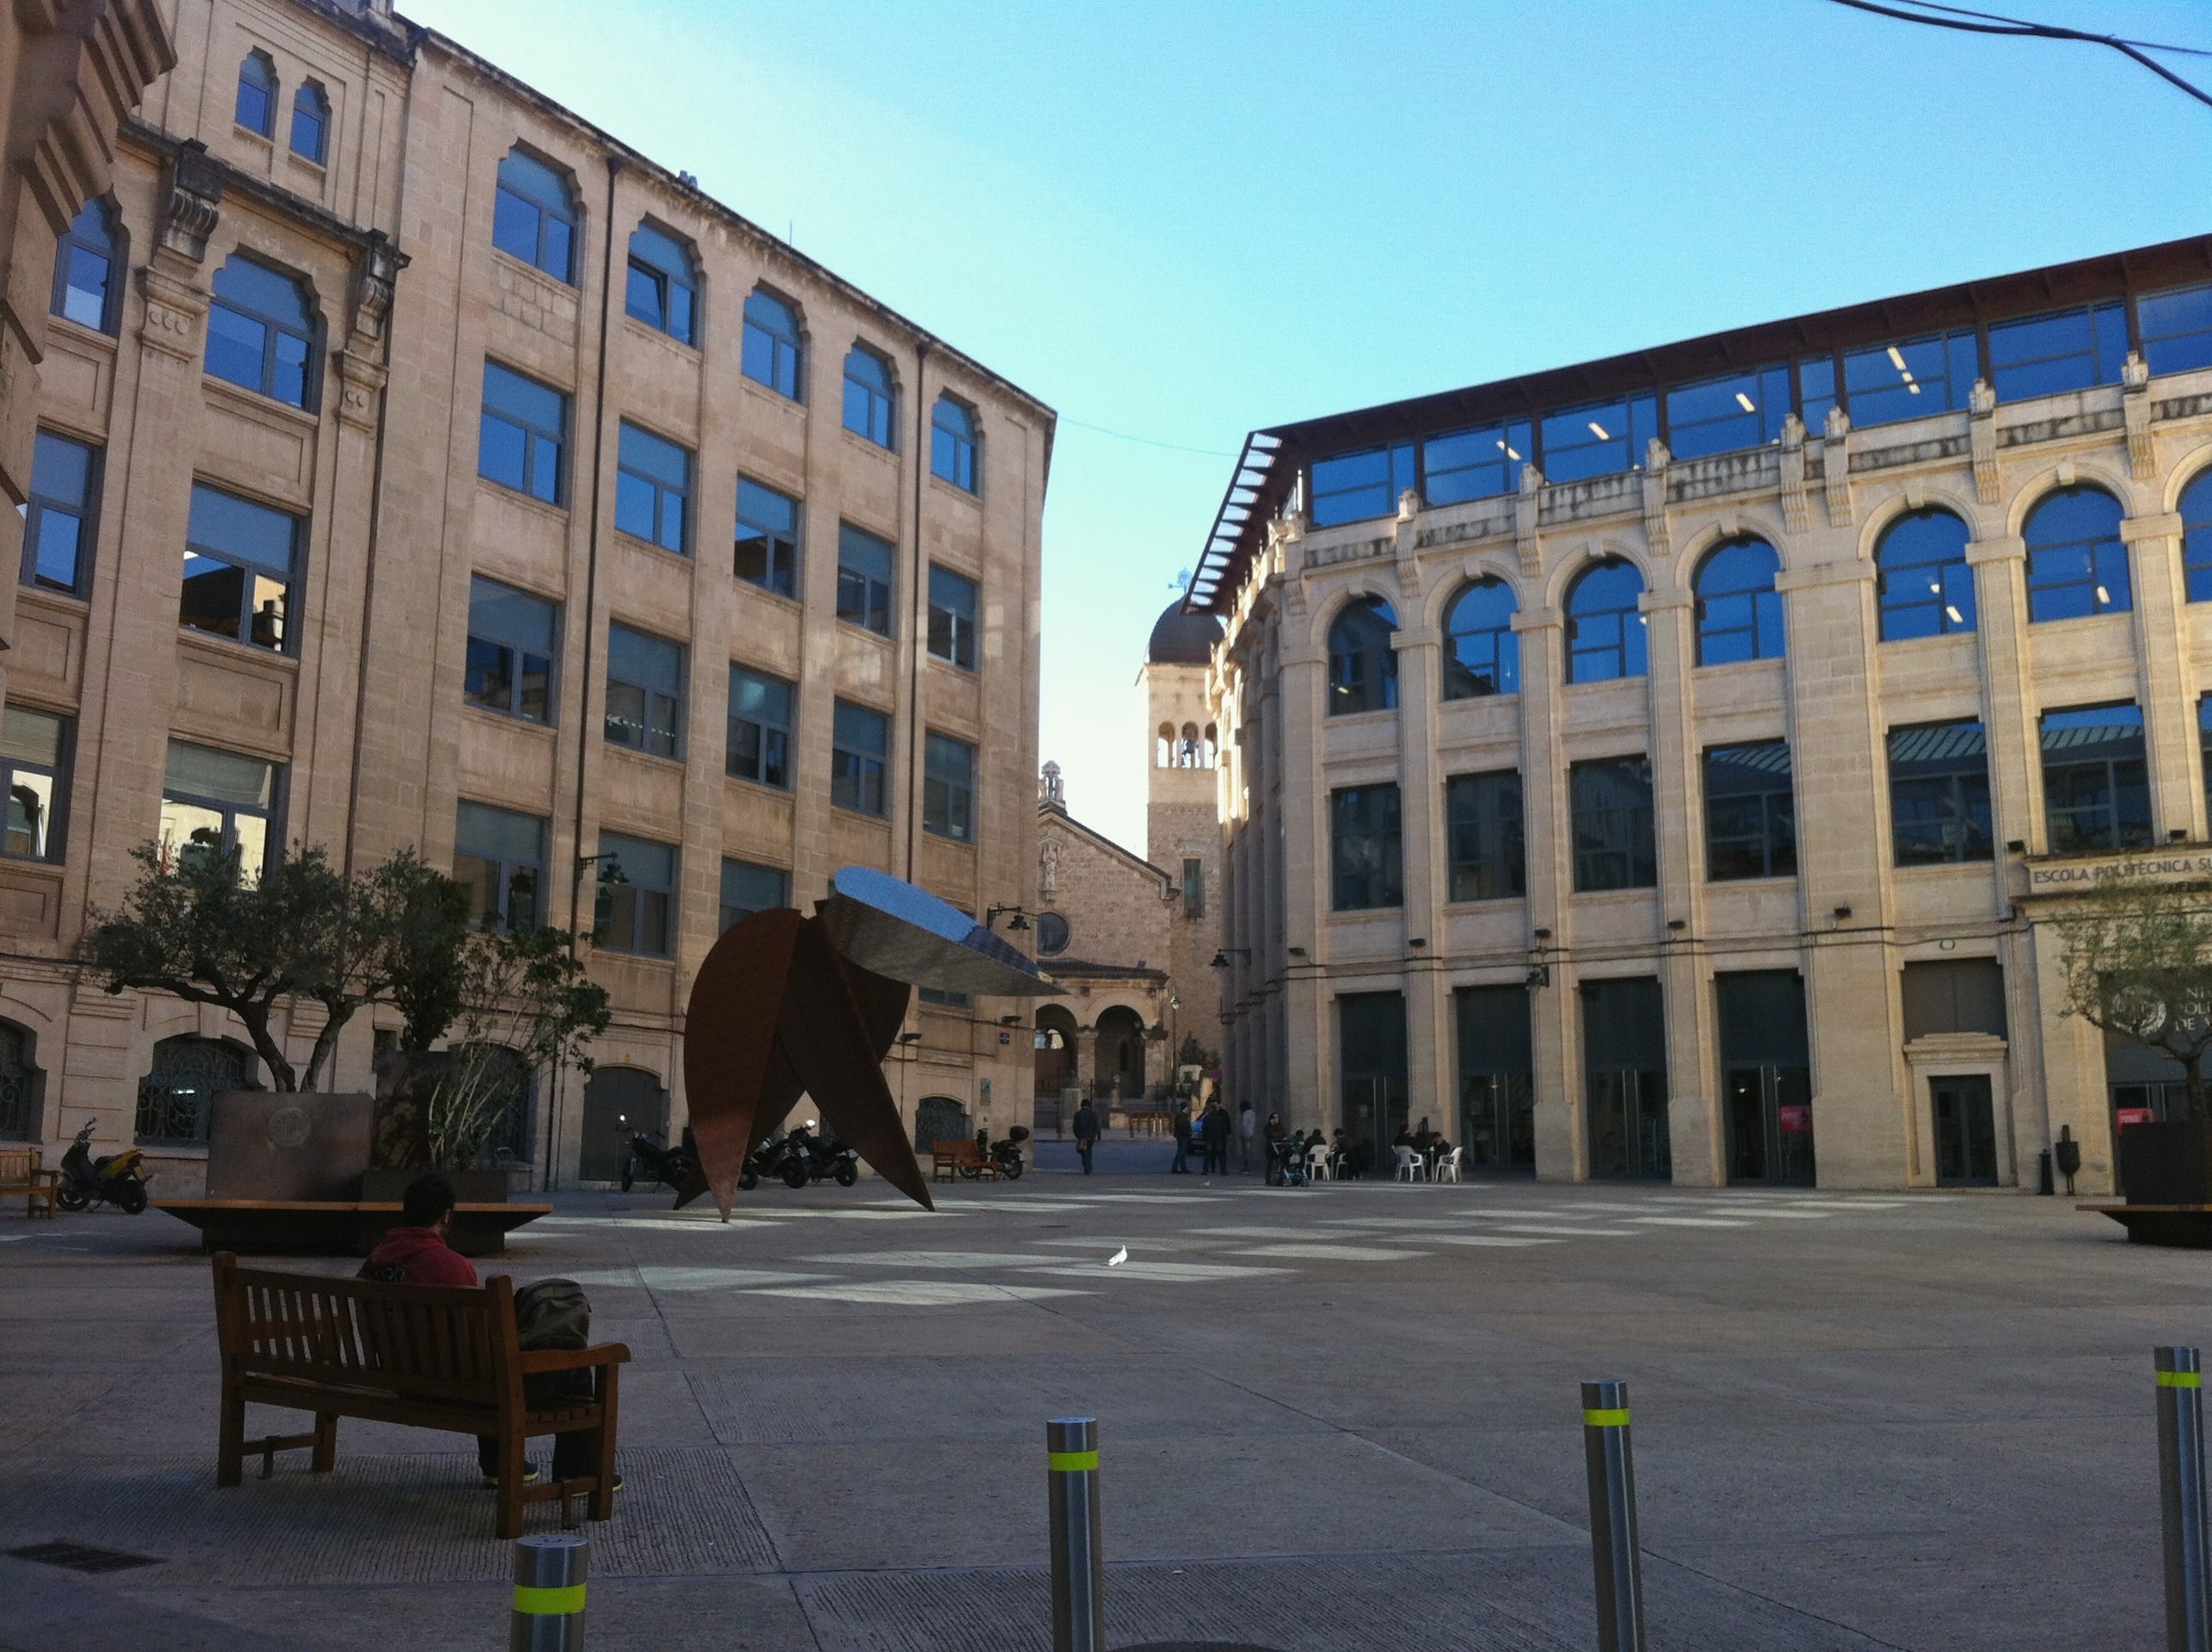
point(863, 579)
point(652, 489)
point(860, 755)
point(1599, 439)
point(1954, 995)
point(34, 766)
point(1194, 887)
point(1611, 800)
point(1478, 464)
point(948, 788)
point(759, 747)
point(57, 523)
point(523, 434)
point(2047, 354)
point(214, 802)
point(1751, 828)
point(239, 560)
point(2096, 788)
point(500, 856)
point(1720, 416)
point(1366, 848)
point(636, 910)
point(747, 889)
point(1487, 857)
point(1352, 486)
point(2176, 328)
point(1908, 380)
point(511, 651)
point(953, 618)
point(768, 538)
point(1939, 793)
point(645, 692)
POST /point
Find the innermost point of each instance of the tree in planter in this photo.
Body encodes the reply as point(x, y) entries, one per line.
point(193, 927)
point(2139, 966)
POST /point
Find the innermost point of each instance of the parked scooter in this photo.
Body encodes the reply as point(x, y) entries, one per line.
point(1008, 1156)
point(647, 1160)
point(117, 1178)
point(800, 1156)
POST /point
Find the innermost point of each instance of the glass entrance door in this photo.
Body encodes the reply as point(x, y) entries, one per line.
point(1966, 1131)
point(1628, 1124)
point(1498, 1123)
point(1374, 1113)
point(1769, 1124)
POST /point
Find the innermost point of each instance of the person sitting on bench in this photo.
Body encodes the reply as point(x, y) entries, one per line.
point(418, 1254)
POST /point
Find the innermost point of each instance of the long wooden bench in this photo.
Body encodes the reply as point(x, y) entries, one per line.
point(423, 1355)
point(21, 1172)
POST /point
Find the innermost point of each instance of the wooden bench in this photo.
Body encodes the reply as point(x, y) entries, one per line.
point(963, 1157)
point(20, 1173)
point(423, 1355)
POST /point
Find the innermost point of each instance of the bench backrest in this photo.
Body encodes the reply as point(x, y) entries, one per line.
point(18, 1165)
point(425, 1342)
point(963, 1151)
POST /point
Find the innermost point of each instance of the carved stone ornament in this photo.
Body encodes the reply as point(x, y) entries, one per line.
point(375, 278)
point(1526, 509)
point(1982, 439)
point(1653, 486)
point(1797, 515)
point(1047, 872)
point(1836, 467)
point(193, 202)
point(2135, 413)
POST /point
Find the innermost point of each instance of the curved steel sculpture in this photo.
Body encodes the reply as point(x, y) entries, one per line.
point(786, 1006)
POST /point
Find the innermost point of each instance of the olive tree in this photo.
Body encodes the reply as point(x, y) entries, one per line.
point(2139, 966)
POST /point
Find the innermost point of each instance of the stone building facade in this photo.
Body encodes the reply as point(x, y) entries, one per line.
point(1664, 766)
point(420, 465)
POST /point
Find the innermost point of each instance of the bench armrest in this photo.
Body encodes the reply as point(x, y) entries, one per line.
point(536, 1360)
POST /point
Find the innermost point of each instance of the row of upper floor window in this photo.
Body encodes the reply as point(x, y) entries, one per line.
point(2076, 566)
point(2064, 350)
point(263, 329)
point(260, 94)
point(2094, 774)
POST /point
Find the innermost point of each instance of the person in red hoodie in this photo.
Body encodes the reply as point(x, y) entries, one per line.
point(418, 1254)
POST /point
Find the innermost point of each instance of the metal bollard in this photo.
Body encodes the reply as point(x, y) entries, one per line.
point(2181, 1497)
point(1078, 1556)
point(1613, 1548)
point(549, 1592)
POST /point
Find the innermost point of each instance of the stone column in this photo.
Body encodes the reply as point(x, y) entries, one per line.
point(2167, 685)
point(2016, 767)
point(1554, 1023)
point(1310, 1087)
point(1429, 1068)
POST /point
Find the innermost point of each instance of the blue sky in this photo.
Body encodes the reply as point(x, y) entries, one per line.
point(1181, 221)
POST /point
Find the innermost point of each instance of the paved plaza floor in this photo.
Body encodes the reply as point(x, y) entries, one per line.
point(1341, 1417)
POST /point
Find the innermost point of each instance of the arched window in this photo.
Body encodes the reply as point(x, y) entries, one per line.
point(772, 347)
point(1363, 666)
point(936, 1119)
point(2076, 565)
point(1186, 748)
point(2197, 537)
point(22, 1086)
point(1164, 754)
point(1739, 609)
point(1604, 630)
point(257, 94)
point(311, 123)
point(86, 290)
point(188, 1073)
point(1213, 739)
point(534, 214)
point(260, 330)
point(954, 447)
point(1921, 580)
point(1481, 653)
point(662, 285)
point(871, 398)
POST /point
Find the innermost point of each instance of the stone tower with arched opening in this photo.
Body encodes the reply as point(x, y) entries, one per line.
point(1182, 830)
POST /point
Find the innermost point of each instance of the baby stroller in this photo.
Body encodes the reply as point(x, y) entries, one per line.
point(1287, 1163)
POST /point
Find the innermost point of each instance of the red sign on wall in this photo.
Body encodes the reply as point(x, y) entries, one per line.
point(1796, 1119)
point(2124, 1116)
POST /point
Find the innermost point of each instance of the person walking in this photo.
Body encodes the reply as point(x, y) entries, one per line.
point(1247, 1128)
point(1182, 1126)
point(1214, 1132)
point(1086, 1134)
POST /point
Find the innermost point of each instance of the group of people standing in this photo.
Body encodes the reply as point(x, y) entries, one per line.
point(1208, 1134)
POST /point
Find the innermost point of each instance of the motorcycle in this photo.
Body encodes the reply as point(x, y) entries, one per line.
point(800, 1156)
point(1007, 1156)
point(117, 1178)
point(646, 1160)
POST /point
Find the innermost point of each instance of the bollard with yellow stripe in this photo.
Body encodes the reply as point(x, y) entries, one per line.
point(1078, 1556)
point(549, 1592)
point(2183, 1511)
point(1615, 1554)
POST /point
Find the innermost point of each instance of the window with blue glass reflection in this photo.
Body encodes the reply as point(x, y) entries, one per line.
point(257, 94)
point(772, 349)
point(652, 489)
point(1816, 391)
point(1739, 609)
point(1353, 487)
point(1481, 463)
point(85, 286)
point(1605, 631)
point(534, 214)
point(2195, 537)
point(2096, 785)
point(58, 517)
point(2176, 328)
point(1363, 666)
point(1719, 416)
point(1923, 583)
point(260, 331)
point(2048, 355)
point(1598, 441)
point(2076, 565)
point(1939, 793)
point(1911, 380)
point(661, 290)
point(1481, 653)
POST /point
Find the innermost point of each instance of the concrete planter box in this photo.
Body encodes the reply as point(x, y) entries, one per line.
point(484, 1186)
point(2168, 1162)
point(279, 1144)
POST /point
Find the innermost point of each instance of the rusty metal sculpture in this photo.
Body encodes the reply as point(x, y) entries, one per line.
point(786, 1005)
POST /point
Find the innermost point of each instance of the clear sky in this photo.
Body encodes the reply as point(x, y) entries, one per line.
point(1181, 221)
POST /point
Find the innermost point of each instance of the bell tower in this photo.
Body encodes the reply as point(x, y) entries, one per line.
point(1183, 827)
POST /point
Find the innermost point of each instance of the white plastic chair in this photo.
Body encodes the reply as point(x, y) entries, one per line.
point(1448, 1166)
point(1317, 1164)
point(1410, 1166)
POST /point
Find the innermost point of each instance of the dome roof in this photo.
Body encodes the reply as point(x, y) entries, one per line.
point(1180, 639)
